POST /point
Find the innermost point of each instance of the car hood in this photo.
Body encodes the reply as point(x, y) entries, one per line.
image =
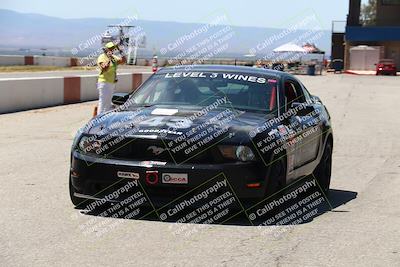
point(164, 122)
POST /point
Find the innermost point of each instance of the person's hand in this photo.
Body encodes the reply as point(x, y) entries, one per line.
point(121, 52)
point(122, 60)
point(104, 65)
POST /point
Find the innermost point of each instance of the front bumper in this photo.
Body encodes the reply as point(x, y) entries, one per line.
point(95, 178)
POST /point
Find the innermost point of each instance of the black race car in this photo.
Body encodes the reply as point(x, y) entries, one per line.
point(258, 129)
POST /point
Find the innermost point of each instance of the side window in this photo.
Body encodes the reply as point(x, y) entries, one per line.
point(307, 94)
point(253, 95)
point(238, 94)
point(155, 96)
point(293, 93)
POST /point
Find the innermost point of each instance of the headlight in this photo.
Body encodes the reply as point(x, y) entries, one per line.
point(242, 153)
point(89, 144)
point(77, 137)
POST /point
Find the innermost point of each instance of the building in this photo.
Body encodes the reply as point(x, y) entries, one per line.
point(365, 45)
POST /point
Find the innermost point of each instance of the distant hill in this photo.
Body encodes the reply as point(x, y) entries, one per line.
point(19, 30)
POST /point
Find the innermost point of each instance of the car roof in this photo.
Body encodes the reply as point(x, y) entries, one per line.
point(222, 68)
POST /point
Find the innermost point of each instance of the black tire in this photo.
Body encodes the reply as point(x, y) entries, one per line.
point(277, 177)
point(324, 169)
point(75, 200)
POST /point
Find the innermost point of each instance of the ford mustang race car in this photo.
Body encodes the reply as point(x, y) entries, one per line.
point(260, 129)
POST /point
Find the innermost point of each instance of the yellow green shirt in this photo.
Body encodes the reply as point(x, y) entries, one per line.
point(109, 75)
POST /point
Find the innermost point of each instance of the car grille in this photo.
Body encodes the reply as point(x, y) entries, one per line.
point(150, 149)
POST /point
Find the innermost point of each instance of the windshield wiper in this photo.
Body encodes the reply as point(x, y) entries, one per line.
point(249, 109)
point(144, 105)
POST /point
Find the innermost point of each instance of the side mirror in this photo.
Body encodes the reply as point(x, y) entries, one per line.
point(119, 98)
point(302, 109)
point(316, 99)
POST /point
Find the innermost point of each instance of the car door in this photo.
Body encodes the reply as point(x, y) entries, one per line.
point(303, 123)
point(312, 122)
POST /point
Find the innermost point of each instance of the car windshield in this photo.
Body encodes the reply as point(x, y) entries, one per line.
point(247, 92)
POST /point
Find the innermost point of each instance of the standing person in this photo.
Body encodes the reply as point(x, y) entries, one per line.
point(107, 63)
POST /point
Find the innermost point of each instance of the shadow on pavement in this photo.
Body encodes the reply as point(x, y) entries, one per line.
point(299, 203)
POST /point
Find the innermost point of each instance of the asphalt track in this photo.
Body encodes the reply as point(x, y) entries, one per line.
point(40, 227)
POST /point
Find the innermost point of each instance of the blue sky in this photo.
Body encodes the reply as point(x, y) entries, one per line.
point(261, 13)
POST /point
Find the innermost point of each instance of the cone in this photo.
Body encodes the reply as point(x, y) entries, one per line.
point(95, 111)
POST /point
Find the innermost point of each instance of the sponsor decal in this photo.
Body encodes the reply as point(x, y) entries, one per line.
point(174, 178)
point(164, 111)
point(282, 129)
point(151, 163)
point(128, 175)
point(273, 132)
point(227, 76)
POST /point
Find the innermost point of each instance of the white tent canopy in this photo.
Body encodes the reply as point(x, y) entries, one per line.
point(290, 47)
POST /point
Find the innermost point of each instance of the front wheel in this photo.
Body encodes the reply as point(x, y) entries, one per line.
point(277, 177)
point(324, 169)
point(75, 200)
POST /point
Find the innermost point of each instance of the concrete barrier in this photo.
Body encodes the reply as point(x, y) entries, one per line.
point(88, 88)
point(17, 94)
point(52, 61)
point(16, 60)
point(38, 60)
point(124, 83)
point(12, 60)
point(28, 93)
point(87, 61)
